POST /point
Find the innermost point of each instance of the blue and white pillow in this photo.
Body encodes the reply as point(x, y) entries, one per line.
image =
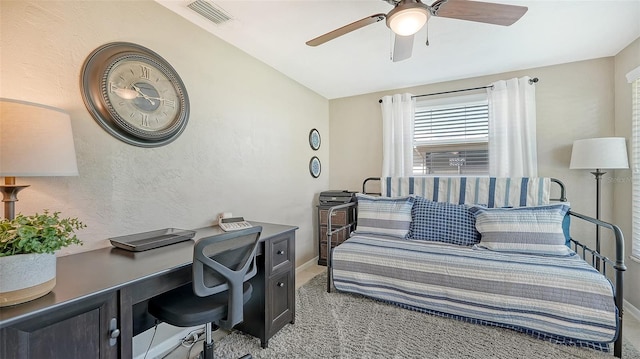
point(388, 216)
point(529, 230)
point(443, 222)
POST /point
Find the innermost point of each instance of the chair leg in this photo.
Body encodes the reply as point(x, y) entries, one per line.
point(208, 348)
point(207, 352)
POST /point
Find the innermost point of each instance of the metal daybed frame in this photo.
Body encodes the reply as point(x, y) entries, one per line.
point(585, 252)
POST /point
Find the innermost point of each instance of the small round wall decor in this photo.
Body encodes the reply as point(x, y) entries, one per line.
point(314, 139)
point(315, 168)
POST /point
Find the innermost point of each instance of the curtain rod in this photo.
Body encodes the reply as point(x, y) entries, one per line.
point(531, 82)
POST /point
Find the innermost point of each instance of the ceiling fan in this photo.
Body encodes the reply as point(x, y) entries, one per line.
point(409, 16)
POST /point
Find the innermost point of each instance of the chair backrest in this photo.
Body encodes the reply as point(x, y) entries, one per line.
point(224, 262)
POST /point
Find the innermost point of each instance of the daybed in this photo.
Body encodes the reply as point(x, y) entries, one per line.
point(492, 251)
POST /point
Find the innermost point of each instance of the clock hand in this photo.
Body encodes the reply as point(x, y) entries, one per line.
point(143, 94)
point(126, 94)
point(158, 98)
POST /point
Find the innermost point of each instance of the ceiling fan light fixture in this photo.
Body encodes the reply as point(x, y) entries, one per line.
point(407, 21)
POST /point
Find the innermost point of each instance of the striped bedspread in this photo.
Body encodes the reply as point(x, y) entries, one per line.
point(562, 299)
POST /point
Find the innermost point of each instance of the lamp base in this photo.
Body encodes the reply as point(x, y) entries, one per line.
point(10, 197)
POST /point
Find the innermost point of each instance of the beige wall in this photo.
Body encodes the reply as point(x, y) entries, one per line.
point(574, 101)
point(245, 149)
point(627, 60)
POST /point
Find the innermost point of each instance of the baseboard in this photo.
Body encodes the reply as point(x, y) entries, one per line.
point(630, 309)
point(306, 265)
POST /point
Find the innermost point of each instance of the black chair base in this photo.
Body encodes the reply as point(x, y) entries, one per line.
point(208, 352)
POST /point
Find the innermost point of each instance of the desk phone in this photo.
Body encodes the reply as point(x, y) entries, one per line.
point(233, 224)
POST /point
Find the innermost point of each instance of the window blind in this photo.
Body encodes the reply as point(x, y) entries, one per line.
point(635, 168)
point(452, 137)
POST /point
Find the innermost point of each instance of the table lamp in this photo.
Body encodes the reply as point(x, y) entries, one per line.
point(35, 140)
point(598, 154)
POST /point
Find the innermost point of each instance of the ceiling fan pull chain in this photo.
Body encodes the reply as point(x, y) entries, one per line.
point(427, 27)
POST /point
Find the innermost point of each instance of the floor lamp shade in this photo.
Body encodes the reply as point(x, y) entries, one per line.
point(599, 153)
point(35, 140)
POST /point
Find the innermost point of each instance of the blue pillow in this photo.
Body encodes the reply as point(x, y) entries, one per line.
point(528, 230)
point(442, 222)
point(388, 216)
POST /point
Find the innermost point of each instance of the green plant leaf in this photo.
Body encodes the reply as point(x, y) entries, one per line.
point(39, 233)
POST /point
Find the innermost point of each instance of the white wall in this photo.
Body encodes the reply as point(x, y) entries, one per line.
point(244, 150)
point(574, 101)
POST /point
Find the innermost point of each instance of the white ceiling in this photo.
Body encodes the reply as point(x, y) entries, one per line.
point(551, 32)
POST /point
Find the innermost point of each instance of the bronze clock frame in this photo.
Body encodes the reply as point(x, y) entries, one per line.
point(151, 108)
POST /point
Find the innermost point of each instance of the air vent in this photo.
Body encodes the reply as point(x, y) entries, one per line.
point(212, 12)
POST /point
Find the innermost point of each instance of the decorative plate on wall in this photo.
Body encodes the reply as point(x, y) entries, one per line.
point(314, 139)
point(315, 167)
point(134, 94)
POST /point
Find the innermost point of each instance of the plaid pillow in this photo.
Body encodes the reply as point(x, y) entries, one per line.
point(528, 230)
point(389, 216)
point(443, 222)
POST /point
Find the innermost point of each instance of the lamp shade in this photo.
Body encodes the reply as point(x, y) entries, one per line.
point(35, 140)
point(599, 153)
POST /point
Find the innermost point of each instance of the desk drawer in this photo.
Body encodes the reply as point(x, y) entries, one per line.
point(280, 254)
point(281, 301)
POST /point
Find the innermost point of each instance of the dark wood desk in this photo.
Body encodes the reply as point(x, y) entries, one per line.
point(104, 292)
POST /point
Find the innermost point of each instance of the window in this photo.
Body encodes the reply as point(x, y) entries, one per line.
point(635, 165)
point(451, 136)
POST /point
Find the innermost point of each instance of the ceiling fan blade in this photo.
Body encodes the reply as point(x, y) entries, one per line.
point(402, 47)
point(346, 29)
point(490, 13)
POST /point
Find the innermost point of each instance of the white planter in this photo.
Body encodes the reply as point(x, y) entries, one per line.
point(25, 277)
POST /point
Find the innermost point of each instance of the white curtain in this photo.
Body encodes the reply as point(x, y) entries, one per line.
point(512, 129)
point(634, 78)
point(398, 113)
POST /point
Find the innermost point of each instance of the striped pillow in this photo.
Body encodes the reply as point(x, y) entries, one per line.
point(528, 230)
point(389, 216)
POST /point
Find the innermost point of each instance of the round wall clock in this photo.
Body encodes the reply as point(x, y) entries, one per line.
point(314, 139)
point(134, 94)
point(315, 167)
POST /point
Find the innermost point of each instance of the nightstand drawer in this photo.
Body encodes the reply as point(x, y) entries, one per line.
point(338, 217)
point(338, 237)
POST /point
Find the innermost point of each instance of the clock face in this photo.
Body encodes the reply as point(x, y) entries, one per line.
point(134, 94)
point(141, 96)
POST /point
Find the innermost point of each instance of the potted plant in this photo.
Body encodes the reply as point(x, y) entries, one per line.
point(27, 259)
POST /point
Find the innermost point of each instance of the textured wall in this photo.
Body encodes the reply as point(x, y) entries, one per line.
point(245, 149)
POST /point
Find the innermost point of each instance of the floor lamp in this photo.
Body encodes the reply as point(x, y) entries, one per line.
point(598, 154)
point(35, 140)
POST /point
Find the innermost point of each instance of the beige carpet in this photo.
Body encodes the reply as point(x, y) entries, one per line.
point(340, 325)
